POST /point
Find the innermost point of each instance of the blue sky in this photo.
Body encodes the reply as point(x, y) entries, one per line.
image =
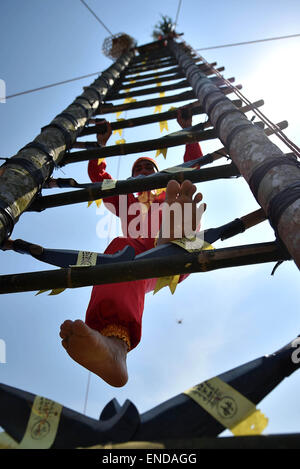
point(228, 316)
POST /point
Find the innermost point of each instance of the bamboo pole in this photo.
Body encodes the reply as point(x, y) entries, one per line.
point(158, 181)
point(182, 137)
point(143, 79)
point(161, 89)
point(22, 176)
point(275, 187)
point(195, 109)
point(185, 96)
point(203, 67)
point(182, 263)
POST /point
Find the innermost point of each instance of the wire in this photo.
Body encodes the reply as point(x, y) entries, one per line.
point(97, 18)
point(51, 85)
point(97, 73)
point(249, 42)
point(281, 135)
point(177, 14)
point(108, 237)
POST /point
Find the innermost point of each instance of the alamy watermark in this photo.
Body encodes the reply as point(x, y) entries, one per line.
point(2, 91)
point(2, 351)
point(176, 220)
point(296, 353)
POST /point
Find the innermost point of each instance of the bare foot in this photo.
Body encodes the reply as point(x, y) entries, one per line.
point(180, 214)
point(104, 356)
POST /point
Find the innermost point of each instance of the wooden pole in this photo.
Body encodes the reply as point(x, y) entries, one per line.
point(273, 178)
point(23, 175)
point(182, 263)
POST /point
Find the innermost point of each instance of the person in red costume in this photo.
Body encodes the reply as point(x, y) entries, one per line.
point(113, 320)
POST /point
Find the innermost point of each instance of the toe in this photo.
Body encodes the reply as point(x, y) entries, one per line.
point(173, 188)
point(80, 328)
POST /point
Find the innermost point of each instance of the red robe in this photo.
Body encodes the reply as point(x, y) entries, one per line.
point(116, 309)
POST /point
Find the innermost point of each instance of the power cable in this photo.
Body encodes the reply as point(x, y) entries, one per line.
point(51, 85)
point(97, 73)
point(281, 135)
point(249, 42)
point(177, 14)
point(97, 18)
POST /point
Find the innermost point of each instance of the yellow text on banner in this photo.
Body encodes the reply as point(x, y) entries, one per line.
point(86, 259)
point(228, 406)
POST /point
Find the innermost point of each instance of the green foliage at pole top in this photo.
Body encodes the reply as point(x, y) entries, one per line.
point(163, 27)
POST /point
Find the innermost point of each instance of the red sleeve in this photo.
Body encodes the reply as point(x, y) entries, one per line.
point(192, 152)
point(97, 172)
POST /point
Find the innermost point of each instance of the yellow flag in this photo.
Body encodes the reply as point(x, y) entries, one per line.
point(100, 160)
point(161, 94)
point(118, 131)
point(158, 83)
point(163, 125)
point(97, 202)
point(158, 108)
point(118, 114)
point(252, 425)
point(55, 291)
point(132, 81)
point(170, 281)
point(162, 151)
point(159, 191)
point(129, 100)
point(119, 142)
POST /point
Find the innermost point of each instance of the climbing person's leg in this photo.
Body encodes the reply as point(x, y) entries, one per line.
point(114, 315)
point(112, 325)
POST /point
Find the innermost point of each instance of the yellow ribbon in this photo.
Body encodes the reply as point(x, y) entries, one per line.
point(119, 131)
point(41, 428)
point(97, 202)
point(158, 108)
point(121, 141)
point(129, 100)
point(169, 281)
point(191, 245)
point(229, 407)
point(118, 114)
point(162, 151)
point(161, 94)
point(84, 259)
point(163, 125)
